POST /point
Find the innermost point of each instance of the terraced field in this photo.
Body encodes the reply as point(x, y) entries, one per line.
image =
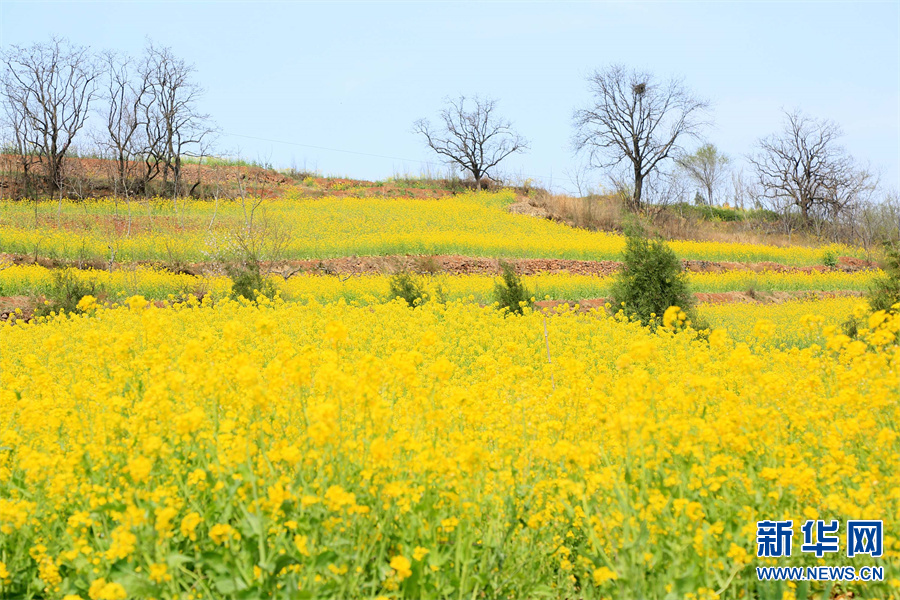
point(166, 441)
point(189, 231)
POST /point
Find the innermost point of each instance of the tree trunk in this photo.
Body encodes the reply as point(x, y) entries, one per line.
point(53, 170)
point(638, 188)
point(176, 172)
point(123, 171)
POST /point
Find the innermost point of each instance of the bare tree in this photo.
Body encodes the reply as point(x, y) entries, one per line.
point(174, 127)
point(473, 140)
point(579, 177)
point(707, 167)
point(17, 124)
point(743, 192)
point(637, 121)
point(664, 187)
point(804, 167)
point(875, 223)
point(125, 93)
point(49, 88)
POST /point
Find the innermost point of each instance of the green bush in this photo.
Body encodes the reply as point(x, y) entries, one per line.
point(248, 281)
point(708, 213)
point(651, 280)
point(829, 258)
point(414, 289)
point(66, 291)
point(885, 291)
point(510, 292)
point(718, 213)
point(409, 287)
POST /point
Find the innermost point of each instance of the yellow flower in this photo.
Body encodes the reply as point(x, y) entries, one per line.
point(336, 332)
point(449, 524)
point(222, 533)
point(137, 302)
point(718, 338)
point(189, 525)
point(164, 518)
point(401, 565)
point(738, 554)
point(300, 542)
point(139, 468)
point(123, 544)
point(694, 511)
point(673, 317)
point(604, 574)
point(419, 553)
point(86, 303)
point(101, 590)
point(159, 573)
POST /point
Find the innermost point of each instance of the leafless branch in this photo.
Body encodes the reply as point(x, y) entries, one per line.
point(48, 89)
point(473, 140)
point(804, 167)
point(636, 121)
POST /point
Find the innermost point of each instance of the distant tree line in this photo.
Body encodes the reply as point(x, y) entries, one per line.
point(148, 106)
point(634, 130)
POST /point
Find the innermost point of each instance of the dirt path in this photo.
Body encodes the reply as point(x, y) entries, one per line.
point(450, 264)
point(469, 265)
point(718, 298)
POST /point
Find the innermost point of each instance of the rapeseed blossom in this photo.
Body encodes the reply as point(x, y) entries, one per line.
point(471, 224)
point(364, 451)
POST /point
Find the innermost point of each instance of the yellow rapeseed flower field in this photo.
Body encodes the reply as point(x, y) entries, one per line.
point(159, 284)
point(473, 224)
point(310, 450)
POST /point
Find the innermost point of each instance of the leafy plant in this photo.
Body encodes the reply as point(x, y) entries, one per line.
point(885, 291)
point(882, 295)
point(510, 292)
point(248, 280)
point(414, 289)
point(651, 279)
point(829, 258)
point(404, 284)
point(65, 293)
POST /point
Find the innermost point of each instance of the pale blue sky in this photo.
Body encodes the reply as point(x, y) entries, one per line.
point(355, 75)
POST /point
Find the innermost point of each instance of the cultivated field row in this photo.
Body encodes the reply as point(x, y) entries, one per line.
point(475, 224)
point(159, 284)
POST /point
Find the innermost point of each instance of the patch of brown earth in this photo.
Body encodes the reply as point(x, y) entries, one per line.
point(523, 207)
point(705, 266)
point(450, 264)
point(855, 263)
point(774, 297)
point(471, 265)
point(453, 265)
point(9, 305)
point(96, 175)
point(712, 298)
